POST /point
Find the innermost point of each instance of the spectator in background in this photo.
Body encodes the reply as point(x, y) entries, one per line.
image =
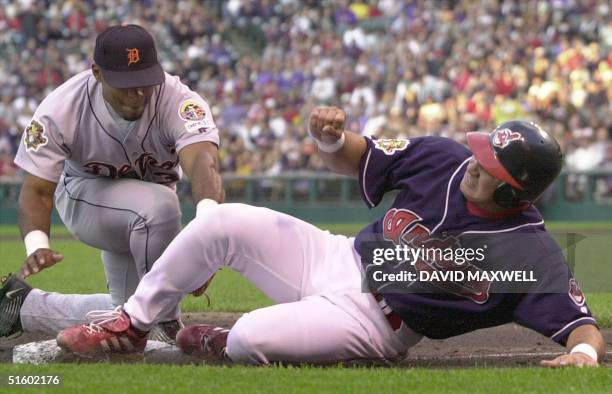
point(587, 156)
point(603, 145)
point(324, 86)
point(401, 68)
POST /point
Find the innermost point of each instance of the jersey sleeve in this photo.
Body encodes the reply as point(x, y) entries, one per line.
point(557, 313)
point(186, 116)
point(387, 164)
point(42, 150)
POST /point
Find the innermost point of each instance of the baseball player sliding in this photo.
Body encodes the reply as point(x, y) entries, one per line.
point(329, 308)
point(108, 144)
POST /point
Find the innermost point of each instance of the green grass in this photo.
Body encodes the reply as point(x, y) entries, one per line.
point(103, 378)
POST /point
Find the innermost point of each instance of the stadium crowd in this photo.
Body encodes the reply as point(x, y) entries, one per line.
point(399, 68)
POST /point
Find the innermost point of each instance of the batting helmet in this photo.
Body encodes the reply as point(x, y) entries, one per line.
point(522, 155)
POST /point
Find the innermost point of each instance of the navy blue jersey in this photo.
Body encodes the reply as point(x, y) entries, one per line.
point(430, 212)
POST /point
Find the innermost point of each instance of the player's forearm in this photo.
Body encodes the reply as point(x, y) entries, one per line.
point(35, 208)
point(346, 160)
point(590, 335)
point(206, 182)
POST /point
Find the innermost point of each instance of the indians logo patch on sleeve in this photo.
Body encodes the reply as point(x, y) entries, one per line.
point(390, 146)
point(194, 115)
point(34, 136)
point(575, 292)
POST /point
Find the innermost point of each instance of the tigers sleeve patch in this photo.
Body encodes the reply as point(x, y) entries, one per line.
point(34, 136)
point(193, 114)
point(390, 146)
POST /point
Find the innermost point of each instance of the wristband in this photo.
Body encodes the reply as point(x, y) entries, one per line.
point(35, 240)
point(203, 204)
point(333, 147)
point(586, 349)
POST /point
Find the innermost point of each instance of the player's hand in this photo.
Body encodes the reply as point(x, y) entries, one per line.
point(39, 260)
point(202, 289)
point(570, 360)
point(327, 124)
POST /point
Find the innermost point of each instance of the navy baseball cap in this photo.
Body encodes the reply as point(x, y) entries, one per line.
point(127, 57)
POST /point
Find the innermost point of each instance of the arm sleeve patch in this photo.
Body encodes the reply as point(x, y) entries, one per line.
point(34, 136)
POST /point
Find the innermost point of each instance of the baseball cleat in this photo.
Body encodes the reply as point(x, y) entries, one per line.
point(109, 332)
point(166, 331)
point(12, 295)
point(203, 340)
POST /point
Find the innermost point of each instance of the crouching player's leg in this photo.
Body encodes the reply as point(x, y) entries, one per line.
point(315, 277)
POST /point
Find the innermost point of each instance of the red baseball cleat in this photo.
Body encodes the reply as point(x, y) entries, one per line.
point(109, 332)
point(203, 340)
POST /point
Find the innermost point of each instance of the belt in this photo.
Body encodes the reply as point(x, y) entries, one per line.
point(395, 321)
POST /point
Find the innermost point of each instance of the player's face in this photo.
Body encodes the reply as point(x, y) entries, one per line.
point(478, 185)
point(129, 103)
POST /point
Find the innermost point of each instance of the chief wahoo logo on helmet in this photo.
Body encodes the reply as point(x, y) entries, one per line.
point(503, 137)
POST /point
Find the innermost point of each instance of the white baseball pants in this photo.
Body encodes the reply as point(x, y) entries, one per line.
point(315, 277)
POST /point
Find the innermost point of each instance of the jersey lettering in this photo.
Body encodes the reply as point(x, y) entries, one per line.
point(145, 163)
point(401, 227)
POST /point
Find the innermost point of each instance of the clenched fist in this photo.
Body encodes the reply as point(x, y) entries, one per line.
point(327, 124)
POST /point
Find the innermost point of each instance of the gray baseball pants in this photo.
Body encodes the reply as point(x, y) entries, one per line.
point(130, 221)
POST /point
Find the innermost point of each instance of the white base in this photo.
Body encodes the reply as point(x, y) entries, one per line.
point(44, 352)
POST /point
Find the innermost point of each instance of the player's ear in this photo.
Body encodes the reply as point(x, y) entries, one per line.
point(96, 72)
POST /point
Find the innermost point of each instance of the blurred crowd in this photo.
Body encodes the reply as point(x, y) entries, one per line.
point(399, 69)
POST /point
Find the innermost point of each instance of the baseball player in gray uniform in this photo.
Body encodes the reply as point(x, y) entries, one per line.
point(108, 147)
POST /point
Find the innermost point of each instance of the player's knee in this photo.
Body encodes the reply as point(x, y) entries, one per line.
point(165, 208)
point(244, 345)
point(228, 219)
point(228, 213)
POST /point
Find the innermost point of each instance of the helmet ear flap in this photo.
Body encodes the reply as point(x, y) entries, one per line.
point(508, 197)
